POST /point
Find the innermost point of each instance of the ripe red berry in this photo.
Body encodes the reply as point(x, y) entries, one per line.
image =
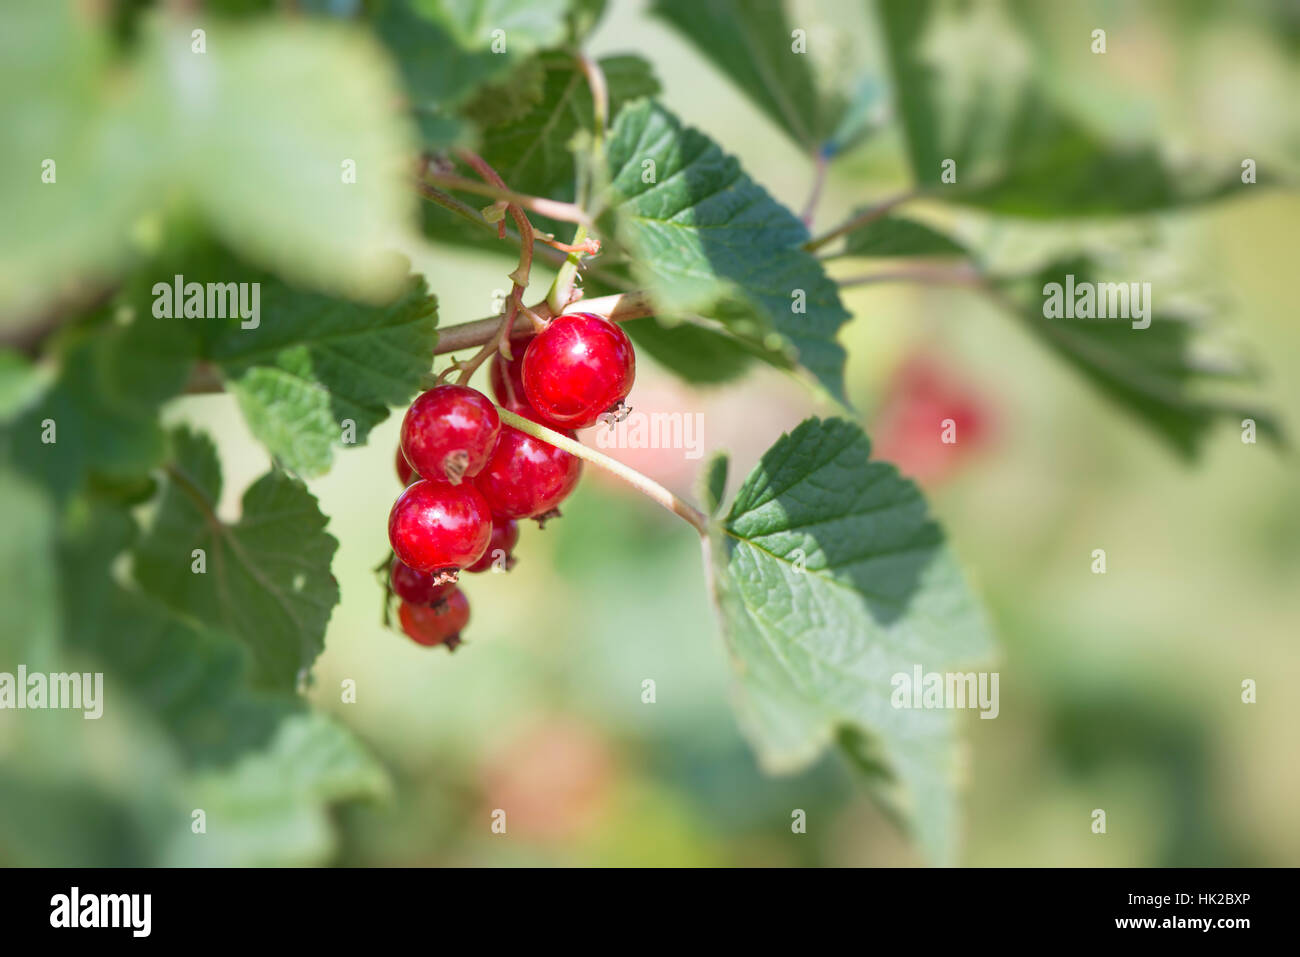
point(404, 471)
point(449, 432)
point(417, 587)
point(438, 527)
point(506, 376)
point(505, 536)
point(527, 477)
point(580, 366)
point(439, 624)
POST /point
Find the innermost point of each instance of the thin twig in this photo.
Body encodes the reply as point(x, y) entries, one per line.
point(821, 165)
point(959, 275)
point(868, 215)
point(500, 340)
point(561, 292)
point(567, 212)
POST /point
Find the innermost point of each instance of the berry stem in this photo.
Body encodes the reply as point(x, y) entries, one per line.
point(500, 340)
point(643, 484)
point(567, 212)
point(561, 291)
point(617, 308)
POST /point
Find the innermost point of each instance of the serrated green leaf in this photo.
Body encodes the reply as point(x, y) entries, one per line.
point(706, 240)
point(267, 579)
point(900, 236)
point(1152, 373)
point(101, 410)
point(532, 151)
point(175, 689)
point(832, 578)
point(444, 49)
point(316, 364)
point(751, 43)
point(967, 88)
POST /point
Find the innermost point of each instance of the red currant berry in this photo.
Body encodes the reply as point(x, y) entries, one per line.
point(527, 477)
point(404, 471)
point(436, 527)
point(505, 536)
point(449, 432)
point(580, 366)
point(417, 587)
point(506, 377)
point(439, 624)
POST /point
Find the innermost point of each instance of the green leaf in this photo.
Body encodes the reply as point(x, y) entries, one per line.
point(832, 578)
point(101, 411)
point(21, 382)
point(444, 49)
point(267, 579)
point(967, 88)
point(695, 353)
point(264, 769)
point(751, 43)
point(1155, 374)
point(255, 132)
point(321, 372)
point(272, 807)
point(29, 616)
point(533, 151)
point(296, 103)
point(713, 482)
point(85, 135)
point(899, 236)
point(706, 240)
point(529, 24)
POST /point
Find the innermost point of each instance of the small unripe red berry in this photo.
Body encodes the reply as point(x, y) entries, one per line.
point(505, 536)
point(418, 588)
point(439, 624)
point(578, 368)
point(527, 477)
point(449, 432)
point(436, 527)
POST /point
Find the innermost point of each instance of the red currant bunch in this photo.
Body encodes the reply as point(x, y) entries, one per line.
point(469, 480)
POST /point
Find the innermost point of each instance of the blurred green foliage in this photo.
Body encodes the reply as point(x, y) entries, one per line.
point(1119, 692)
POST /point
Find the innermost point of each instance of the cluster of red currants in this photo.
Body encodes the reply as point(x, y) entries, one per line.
point(469, 480)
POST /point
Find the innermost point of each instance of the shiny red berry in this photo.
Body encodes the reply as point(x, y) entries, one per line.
point(435, 527)
point(527, 477)
point(580, 366)
point(404, 471)
point(439, 624)
point(418, 588)
point(449, 432)
point(506, 377)
point(500, 550)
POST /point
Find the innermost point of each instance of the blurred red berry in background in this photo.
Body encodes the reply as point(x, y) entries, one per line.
point(924, 404)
